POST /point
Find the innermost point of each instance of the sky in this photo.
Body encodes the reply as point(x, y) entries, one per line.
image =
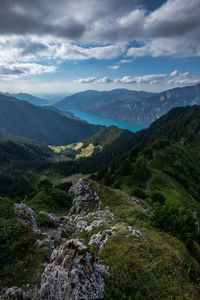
point(66, 46)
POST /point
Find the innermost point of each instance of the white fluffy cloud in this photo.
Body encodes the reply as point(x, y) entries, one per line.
point(175, 77)
point(75, 52)
point(115, 67)
point(18, 70)
point(85, 80)
point(105, 79)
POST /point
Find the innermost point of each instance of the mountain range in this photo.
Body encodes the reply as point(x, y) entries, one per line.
point(90, 100)
point(131, 106)
point(23, 119)
point(27, 97)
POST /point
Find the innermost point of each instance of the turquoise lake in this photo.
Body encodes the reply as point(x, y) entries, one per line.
point(98, 120)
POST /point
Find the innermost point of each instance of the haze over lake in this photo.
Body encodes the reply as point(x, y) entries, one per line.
point(98, 120)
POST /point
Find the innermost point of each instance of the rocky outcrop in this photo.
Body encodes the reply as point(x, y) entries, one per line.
point(84, 197)
point(100, 239)
point(15, 293)
point(98, 218)
point(135, 232)
point(73, 274)
point(46, 244)
point(27, 216)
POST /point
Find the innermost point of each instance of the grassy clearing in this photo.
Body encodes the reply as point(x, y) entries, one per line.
point(86, 152)
point(78, 146)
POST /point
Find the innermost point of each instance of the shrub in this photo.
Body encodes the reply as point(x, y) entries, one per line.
point(139, 193)
point(45, 221)
point(65, 186)
point(124, 168)
point(6, 209)
point(44, 184)
point(158, 197)
point(61, 198)
point(175, 220)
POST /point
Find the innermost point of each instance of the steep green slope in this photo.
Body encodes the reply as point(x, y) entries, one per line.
point(164, 158)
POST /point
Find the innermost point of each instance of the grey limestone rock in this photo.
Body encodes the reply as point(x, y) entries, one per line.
point(27, 216)
point(15, 293)
point(84, 196)
point(100, 239)
point(46, 244)
point(73, 274)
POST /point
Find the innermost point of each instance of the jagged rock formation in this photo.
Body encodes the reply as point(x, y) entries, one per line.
point(73, 274)
point(84, 196)
point(101, 238)
point(99, 218)
point(27, 216)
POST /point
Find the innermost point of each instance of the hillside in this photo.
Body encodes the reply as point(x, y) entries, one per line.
point(105, 139)
point(23, 119)
point(163, 158)
point(91, 99)
point(138, 213)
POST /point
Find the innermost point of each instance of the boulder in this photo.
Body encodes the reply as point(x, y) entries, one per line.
point(73, 273)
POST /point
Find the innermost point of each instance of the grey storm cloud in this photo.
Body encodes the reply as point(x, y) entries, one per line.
point(29, 47)
point(39, 24)
point(38, 17)
point(102, 21)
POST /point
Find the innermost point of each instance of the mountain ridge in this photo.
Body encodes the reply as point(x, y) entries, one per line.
point(21, 118)
point(143, 109)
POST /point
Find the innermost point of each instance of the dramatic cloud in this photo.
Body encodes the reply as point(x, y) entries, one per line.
point(105, 23)
point(37, 36)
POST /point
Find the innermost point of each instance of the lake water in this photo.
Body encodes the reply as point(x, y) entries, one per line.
point(98, 120)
